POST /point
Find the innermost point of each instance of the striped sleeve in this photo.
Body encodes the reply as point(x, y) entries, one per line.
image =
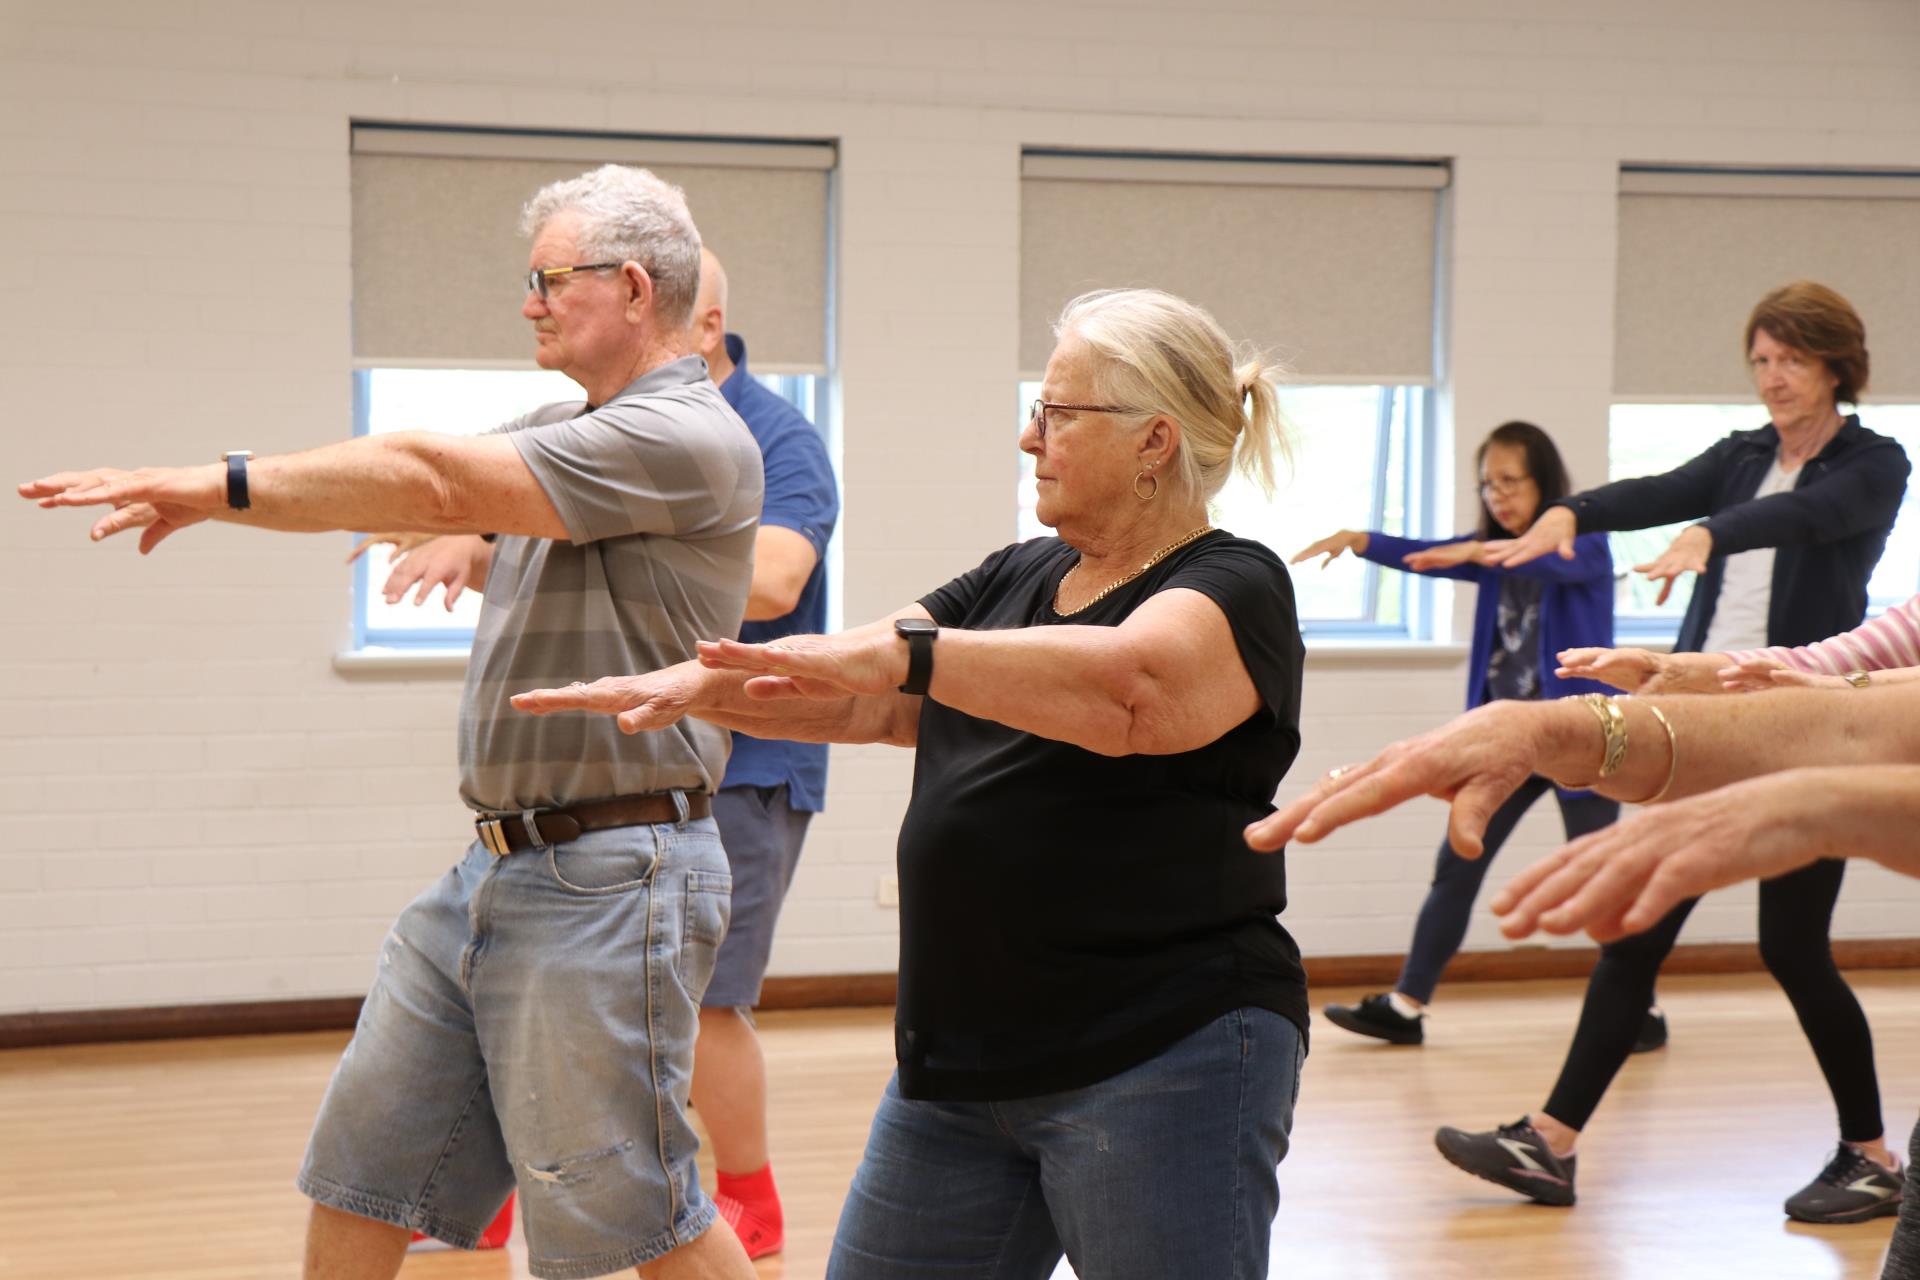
point(1881, 644)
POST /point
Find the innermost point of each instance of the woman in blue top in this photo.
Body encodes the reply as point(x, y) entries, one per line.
point(1522, 619)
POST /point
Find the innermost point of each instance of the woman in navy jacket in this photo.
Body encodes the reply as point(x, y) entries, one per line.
point(1792, 518)
point(1523, 617)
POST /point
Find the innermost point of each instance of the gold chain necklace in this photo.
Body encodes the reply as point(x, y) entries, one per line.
point(1115, 585)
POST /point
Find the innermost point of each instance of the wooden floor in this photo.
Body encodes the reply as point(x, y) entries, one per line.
point(176, 1160)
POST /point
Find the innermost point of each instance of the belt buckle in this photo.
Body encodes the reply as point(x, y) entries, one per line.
point(492, 835)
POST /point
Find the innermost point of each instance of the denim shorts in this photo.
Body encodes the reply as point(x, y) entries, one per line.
point(763, 833)
point(1168, 1169)
point(531, 1024)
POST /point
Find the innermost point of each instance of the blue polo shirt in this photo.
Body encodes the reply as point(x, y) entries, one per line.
point(801, 496)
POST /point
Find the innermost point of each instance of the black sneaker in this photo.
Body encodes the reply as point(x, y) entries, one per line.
point(1375, 1016)
point(1515, 1156)
point(1653, 1032)
point(1852, 1188)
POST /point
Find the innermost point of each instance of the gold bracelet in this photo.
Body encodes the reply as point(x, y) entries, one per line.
point(1673, 755)
point(1613, 730)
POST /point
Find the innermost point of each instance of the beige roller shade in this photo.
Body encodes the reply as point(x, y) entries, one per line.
point(1328, 265)
point(1698, 249)
point(439, 264)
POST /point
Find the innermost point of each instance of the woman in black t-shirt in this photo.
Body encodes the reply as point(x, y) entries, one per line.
point(1101, 1021)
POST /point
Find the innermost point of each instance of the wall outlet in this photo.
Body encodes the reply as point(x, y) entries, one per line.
point(888, 892)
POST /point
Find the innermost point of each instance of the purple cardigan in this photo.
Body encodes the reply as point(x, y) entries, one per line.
point(1576, 605)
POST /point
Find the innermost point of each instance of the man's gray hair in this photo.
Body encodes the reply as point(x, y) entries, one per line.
point(629, 215)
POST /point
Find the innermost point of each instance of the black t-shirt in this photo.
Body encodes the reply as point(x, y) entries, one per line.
point(1065, 915)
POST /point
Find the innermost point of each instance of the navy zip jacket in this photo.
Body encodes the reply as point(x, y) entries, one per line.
point(1830, 528)
point(1576, 607)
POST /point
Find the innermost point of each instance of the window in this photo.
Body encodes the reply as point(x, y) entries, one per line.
point(1360, 453)
point(1646, 439)
point(467, 402)
point(1331, 264)
point(439, 272)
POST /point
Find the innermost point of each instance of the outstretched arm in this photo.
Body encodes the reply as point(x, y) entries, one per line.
point(721, 695)
point(415, 480)
point(1168, 679)
point(1476, 761)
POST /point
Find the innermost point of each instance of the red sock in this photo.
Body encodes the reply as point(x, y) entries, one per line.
point(751, 1205)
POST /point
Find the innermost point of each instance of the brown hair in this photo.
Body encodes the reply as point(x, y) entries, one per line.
point(1813, 318)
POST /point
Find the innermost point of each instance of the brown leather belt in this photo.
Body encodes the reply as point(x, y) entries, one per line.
point(505, 833)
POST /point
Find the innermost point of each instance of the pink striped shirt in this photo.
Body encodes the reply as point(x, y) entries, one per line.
point(1888, 641)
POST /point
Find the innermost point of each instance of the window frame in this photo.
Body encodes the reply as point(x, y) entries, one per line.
point(819, 399)
point(1661, 630)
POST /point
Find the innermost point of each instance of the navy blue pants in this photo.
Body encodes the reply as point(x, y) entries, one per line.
point(1456, 881)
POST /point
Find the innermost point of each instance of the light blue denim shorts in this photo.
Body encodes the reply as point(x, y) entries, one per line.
point(532, 1026)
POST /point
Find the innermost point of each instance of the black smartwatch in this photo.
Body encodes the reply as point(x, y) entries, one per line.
point(919, 634)
point(236, 460)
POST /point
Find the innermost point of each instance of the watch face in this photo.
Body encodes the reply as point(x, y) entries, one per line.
point(916, 626)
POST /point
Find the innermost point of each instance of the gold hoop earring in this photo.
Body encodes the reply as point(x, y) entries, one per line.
point(1150, 494)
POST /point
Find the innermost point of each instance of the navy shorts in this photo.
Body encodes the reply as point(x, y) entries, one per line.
point(762, 833)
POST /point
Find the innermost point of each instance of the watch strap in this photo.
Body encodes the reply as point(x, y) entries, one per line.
point(919, 661)
point(238, 499)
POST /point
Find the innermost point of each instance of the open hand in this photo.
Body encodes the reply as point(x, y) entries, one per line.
point(1335, 546)
point(1624, 878)
point(1474, 763)
point(638, 703)
point(857, 662)
point(1627, 669)
point(1552, 531)
point(1688, 553)
point(433, 562)
point(159, 500)
point(1445, 556)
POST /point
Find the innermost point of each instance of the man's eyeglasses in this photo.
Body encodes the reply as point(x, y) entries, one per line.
point(1503, 485)
point(1037, 412)
point(538, 277)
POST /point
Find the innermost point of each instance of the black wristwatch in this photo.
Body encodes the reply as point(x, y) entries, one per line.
point(237, 497)
point(919, 634)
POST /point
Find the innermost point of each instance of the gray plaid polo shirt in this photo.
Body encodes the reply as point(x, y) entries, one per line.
point(660, 490)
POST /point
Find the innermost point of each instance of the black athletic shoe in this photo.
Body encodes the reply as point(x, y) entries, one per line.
point(1514, 1156)
point(1653, 1033)
point(1852, 1188)
point(1375, 1016)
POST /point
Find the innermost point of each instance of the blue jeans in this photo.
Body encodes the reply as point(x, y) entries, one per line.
point(532, 1024)
point(1168, 1169)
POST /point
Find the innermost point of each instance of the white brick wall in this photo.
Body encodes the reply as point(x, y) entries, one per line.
point(196, 806)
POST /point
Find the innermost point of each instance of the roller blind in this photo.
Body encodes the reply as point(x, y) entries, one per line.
point(1328, 264)
point(1698, 248)
point(439, 264)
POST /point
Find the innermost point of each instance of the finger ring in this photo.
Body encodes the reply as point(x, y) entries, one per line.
point(578, 684)
point(1333, 774)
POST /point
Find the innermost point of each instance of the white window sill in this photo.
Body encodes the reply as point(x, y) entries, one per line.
point(378, 663)
point(1384, 653)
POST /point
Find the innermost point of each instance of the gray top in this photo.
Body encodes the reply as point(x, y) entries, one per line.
point(660, 491)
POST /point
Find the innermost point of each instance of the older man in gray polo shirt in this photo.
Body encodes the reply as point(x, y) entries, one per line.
point(534, 1012)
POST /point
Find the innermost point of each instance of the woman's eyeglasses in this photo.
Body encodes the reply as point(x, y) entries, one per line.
point(1037, 412)
point(1503, 485)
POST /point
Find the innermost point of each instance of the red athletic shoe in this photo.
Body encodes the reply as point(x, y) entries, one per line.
point(498, 1232)
point(758, 1236)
